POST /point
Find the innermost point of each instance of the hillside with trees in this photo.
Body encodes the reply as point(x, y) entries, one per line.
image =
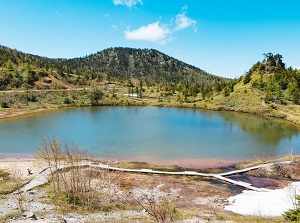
point(27, 71)
point(149, 65)
point(127, 76)
point(20, 70)
point(280, 85)
point(268, 89)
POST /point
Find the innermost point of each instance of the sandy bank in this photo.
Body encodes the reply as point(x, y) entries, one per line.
point(11, 113)
point(18, 166)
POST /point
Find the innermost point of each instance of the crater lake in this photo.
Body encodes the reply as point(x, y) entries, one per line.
point(170, 136)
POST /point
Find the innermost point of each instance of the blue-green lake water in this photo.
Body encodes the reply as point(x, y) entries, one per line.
point(159, 135)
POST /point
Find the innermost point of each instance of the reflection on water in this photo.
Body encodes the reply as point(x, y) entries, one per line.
point(154, 134)
point(268, 130)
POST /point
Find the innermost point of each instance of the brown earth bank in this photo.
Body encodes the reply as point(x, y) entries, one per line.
point(9, 113)
point(197, 199)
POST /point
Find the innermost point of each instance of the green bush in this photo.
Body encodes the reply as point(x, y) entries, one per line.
point(294, 214)
point(4, 104)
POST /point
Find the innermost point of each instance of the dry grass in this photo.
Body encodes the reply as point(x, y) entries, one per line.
point(143, 165)
point(262, 160)
point(9, 183)
point(251, 219)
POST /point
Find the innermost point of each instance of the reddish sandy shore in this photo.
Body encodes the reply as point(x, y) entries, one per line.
point(19, 112)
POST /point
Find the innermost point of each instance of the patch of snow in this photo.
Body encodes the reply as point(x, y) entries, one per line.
point(268, 203)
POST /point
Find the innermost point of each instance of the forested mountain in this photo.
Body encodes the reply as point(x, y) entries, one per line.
point(21, 70)
point(145, 64)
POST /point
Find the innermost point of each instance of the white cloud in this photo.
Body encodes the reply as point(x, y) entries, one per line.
point(296, 67)
point(57, 13)
point(106, 15)
point(128, 3)
point(182, 21)
point(158, 33)
point(153, 32)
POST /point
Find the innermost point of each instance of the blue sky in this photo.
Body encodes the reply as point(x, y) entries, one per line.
point(223, 37)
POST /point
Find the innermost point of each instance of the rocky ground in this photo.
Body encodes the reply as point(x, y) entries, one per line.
point(199, 199)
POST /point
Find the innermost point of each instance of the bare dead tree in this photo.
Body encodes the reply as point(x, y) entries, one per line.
point(160, 208)
point(290, 152)
point(74, 178)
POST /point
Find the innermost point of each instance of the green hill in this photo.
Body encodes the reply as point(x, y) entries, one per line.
point(267, 89)
point(145, 64)
point(21, 70)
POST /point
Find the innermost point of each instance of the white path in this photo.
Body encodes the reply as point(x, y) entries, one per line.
point(43, 177)
point(40, 179)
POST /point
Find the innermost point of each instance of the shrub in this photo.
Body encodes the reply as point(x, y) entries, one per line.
point(74, 182)
point(4, 104)
point(67, 101)
point(293, 214)
point(160, 208)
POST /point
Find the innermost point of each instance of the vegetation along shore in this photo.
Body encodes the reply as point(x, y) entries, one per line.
point(143, 77)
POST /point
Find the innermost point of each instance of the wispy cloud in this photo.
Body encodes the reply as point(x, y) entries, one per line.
point(128, 3)
point(57, 13)
point(153, 32)
point(84, 32)
point(182, 21)
point(106, 15)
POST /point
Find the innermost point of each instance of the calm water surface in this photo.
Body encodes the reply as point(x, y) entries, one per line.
point(166, 135)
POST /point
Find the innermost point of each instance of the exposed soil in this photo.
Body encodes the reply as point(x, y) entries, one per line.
point(195, 193)
point(200, 199)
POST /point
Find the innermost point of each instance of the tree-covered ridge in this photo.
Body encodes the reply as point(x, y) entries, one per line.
point(280, 84)
point(21, 70)
point(145, 64)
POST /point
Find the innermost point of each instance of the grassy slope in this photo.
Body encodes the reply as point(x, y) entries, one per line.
point(243, 99)
point(249, 100)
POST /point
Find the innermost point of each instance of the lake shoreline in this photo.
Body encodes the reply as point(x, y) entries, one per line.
point(14, 113)
point(8, 113)
point(126, 150)
point(195, 164)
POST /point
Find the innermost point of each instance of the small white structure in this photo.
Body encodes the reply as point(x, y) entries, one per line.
point(131, 95)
